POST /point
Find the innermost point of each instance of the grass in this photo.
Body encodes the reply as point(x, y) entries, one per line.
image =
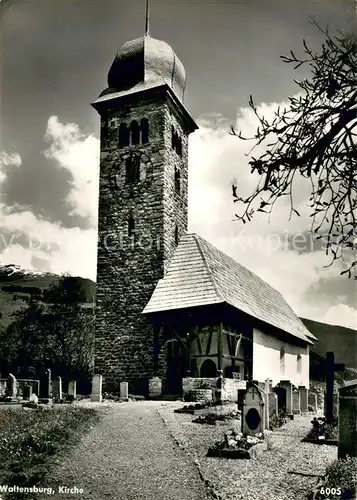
point(29, 441)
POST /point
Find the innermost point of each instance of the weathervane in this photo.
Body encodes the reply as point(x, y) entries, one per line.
point(147, 19)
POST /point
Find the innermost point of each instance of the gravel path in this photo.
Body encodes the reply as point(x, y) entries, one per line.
point(280, 473)
point(129, 455)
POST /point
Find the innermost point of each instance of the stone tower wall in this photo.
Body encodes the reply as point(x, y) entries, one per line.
point(128, 268)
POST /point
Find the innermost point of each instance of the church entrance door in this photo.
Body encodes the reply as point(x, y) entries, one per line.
point(176, 367)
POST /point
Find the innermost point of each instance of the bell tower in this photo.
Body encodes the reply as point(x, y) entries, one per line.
point(143, 193)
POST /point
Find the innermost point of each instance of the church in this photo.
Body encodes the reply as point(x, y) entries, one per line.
point(168, 303)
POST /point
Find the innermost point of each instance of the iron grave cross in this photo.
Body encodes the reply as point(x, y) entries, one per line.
point(330, 369)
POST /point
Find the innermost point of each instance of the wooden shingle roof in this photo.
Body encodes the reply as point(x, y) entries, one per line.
point(199, 274)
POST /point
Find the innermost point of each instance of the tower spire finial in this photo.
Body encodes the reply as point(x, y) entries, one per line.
point(147, 19)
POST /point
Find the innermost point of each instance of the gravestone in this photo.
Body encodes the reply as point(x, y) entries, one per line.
point(72, 389)
point(268, 385)
point(124, 391)
point(330, 368)
point(312, 399)
point(273, 404)
point(296, 403)
point(219, 388)
point(57, 389)
point(347, 421)
point(97, 383)
point(27, 391)
point(240, 398)
point(46, 386)
point(155, 387)
point(11, 387)
point(253, 414)
point(304, 394)
point(2, 388)
point(287, 385)
point(266, 408)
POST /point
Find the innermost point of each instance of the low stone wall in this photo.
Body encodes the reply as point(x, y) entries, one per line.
point(35, 384)
point(229, 391)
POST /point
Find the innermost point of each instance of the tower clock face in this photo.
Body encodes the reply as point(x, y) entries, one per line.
point(132, 171)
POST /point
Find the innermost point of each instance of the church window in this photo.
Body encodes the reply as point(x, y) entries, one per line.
point(176, 141)
point(176, 235)
point(132, 169)
point(282, 360)
point(134, 133)
point(298, 363)
point(177, 181)
point(123, 135)
point(131, 225)
point(144, 130)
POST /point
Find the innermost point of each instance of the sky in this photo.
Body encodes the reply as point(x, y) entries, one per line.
point(55, 56)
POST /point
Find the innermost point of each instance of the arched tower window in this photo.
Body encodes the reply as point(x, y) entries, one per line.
point(176, 141)
point(282, 360)
point(123, 135)
point(298, 363)
point(131, 225)
point(134, 133)
point(177, 181)
point(144, 131)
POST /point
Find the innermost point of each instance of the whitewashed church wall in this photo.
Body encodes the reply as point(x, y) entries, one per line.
point(266, 360)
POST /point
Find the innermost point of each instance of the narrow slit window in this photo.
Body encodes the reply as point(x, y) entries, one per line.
point(131, 226)
point(177, 181)
point(298, 363)
point(123, 135)
point(177, 237)
point(282, 360)
point(135, 133)
point(144, 131)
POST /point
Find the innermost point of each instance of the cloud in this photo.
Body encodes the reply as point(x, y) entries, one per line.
point(8, 160)
point(216, 160)
point(279, 250)
point(79, 155)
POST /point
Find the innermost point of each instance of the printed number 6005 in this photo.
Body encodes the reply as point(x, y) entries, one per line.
point(326, 491)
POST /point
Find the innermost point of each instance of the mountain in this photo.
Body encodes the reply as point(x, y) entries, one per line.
point(339, 339)
point(17, 284)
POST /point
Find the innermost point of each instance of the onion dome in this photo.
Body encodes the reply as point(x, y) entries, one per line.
point(146, 61)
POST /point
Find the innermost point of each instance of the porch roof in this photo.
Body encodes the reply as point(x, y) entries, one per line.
point(199, 274)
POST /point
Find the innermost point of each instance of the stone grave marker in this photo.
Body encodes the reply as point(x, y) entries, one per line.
point(46, 386)
point(296, 403)
point(155, 387)
point(330, 368)
point(253, 414)
point(72, 389)
point(347, 421)
point(287, 385)
point(11, 386)
point(57, 389)
point(273, 404)
point(124, 391)
point(2, 388)
point(27, 391)
point(304, 394)
point(312, 400)
point(97, 383)
point(268, 385)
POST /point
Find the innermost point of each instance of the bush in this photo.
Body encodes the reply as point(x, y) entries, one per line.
point(277, 420)
point(343, 474)
point(321, 429)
